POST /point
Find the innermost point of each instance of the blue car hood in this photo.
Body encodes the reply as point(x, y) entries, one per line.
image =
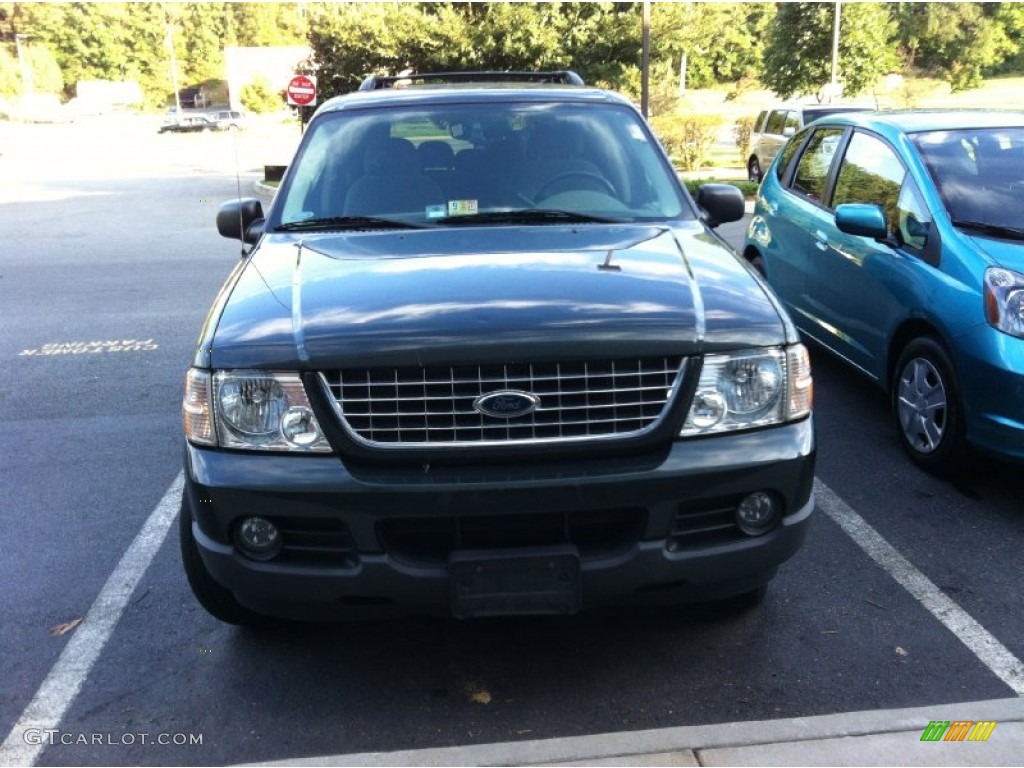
point(1005, 253)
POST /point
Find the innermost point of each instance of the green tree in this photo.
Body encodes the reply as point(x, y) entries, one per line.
point(1010, 17)
point(954, 41)
point(259, 24)
point(797, 58)
point(46, 74)
point(352, 40)
point(720, 40)
point(10, 74)
point(205, 29)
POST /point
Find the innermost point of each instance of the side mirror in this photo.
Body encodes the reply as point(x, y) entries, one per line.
point(241, 219)
point(862, 219)
point(721, 203)
point(788, 131)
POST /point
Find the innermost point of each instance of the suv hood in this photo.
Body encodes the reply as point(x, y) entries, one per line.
point(489, 294)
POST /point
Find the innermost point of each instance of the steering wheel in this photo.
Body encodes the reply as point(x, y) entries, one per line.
point(593, 179)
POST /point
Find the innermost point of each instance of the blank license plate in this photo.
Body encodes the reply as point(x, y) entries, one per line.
point(509, 584)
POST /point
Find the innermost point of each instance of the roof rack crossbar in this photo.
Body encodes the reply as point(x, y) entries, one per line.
point(563, 76)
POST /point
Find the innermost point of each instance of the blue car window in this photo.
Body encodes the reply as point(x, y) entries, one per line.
point(812, 171)
point(786, 155)
point(979, 172)
point(914, 218)
point(871, 173)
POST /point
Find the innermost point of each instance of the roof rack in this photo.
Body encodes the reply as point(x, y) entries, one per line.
point(564, 77)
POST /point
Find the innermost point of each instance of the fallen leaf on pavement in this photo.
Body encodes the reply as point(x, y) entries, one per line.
point(63, 629)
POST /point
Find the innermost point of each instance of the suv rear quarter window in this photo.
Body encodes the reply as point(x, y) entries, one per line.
point(775, 121)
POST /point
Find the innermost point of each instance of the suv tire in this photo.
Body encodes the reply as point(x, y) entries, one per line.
point(754, 170)
point(215, 599)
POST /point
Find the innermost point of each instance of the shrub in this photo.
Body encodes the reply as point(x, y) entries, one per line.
point(742, 131)
point(259, 97)
point(748, 188)
point(688, 138)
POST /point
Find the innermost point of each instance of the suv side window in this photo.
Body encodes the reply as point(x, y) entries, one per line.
point(792, 122)
point(775, 122)
point(872, 173)
point(812, 172)
point(759, 123)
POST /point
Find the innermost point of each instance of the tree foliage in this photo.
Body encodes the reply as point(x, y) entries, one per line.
point(798, 56)
point(787, 46)
point(955, 41)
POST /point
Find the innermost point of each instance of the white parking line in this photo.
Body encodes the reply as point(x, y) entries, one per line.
point(979, 640)
point(61, 686)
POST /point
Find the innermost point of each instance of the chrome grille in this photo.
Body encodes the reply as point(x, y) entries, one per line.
point(434, 406)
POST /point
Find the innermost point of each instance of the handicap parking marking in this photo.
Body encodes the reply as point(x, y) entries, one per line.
point(65, 679)
point(993, 654)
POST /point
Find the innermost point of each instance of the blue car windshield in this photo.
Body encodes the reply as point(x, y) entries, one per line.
point(447, 164)
point(979, 173)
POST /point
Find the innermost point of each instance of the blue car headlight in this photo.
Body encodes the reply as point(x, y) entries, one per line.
point(1004, 300)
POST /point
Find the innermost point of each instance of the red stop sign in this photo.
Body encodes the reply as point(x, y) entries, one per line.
point(301, 91)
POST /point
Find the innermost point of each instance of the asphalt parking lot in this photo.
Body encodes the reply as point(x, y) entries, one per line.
point(906, 594)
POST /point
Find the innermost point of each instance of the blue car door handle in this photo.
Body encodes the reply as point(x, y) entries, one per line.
point(820, 240)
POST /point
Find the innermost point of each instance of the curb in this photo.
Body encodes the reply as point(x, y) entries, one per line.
point(872, 737)
point(264, 192)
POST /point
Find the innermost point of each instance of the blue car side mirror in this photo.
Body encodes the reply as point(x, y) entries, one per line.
point(862, 219)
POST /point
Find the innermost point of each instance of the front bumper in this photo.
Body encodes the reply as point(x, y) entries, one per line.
point(670, 554)
point(991, 371)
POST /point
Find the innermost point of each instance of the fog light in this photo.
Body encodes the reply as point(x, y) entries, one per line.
point(258, 538)
point(757, 513)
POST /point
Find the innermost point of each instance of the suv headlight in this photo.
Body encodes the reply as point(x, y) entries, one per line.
point(1004, 300)
point(250, 410)
point(752, 388)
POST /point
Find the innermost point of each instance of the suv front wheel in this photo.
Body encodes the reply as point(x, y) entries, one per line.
point(218, 601)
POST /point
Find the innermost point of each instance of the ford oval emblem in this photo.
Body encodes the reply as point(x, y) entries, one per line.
point(506, 404)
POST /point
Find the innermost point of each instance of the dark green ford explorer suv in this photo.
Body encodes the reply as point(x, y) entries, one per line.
point(486, 356)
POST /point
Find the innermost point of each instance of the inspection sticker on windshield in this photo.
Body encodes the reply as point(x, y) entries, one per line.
point(462, 207)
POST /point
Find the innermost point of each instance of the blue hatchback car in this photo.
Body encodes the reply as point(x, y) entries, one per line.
point(896, 240)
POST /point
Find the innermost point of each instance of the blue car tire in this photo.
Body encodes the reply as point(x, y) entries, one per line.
point(926, 405)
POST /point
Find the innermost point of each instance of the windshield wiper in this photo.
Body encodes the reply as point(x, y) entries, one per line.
point(326, 223)
point(528, 216)
point(1014, 233)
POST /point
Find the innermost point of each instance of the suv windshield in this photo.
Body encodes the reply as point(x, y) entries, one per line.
point(979, 173)
point(435, 164)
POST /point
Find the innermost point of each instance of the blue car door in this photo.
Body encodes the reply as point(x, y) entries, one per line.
point(860, 288)
point(791, 217)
